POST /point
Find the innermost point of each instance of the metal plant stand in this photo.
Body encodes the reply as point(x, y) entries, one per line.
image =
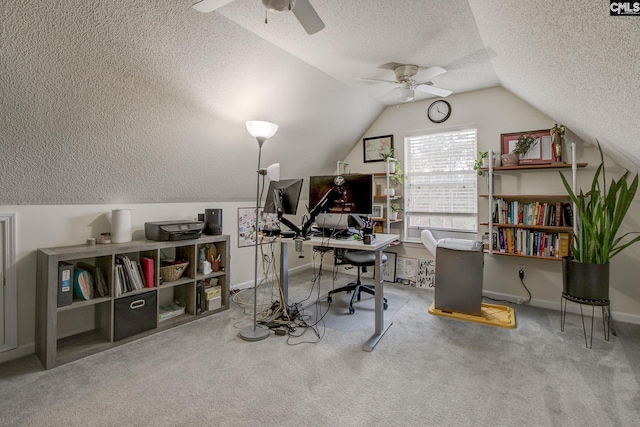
point(606, 315)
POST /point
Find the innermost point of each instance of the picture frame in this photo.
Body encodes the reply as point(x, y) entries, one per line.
point(541, 152)
point(378, 211)
point(374, 148)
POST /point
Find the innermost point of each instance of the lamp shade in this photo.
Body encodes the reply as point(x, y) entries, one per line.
point(405, 95)
point(260, 129)
point(273, 172)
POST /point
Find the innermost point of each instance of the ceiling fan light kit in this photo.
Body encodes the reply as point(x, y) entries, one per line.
point(406, 84)
point(405, 95)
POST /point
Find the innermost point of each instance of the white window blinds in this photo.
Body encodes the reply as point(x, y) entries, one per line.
point(440, 189)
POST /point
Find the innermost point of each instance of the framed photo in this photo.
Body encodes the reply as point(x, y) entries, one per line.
point(377, 211)
point(376, 146)
point(540, 153)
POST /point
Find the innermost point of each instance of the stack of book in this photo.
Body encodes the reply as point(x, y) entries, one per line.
point(128, 275)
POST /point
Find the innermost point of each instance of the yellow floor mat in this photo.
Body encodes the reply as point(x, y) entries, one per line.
point(492, 314)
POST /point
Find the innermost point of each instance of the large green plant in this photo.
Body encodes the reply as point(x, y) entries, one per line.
point(600, 213)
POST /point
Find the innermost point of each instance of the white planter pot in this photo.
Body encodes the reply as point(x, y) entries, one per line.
point(393, 216)
point(389, 191)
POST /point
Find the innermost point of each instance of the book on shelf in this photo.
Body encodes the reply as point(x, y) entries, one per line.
point(148, 270)
point(522, 241)
point(130, 273)
point(101, 288)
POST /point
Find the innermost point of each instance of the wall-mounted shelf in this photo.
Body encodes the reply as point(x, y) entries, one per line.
point(529, 225)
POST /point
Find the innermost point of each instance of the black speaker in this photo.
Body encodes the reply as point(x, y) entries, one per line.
point(213, 221)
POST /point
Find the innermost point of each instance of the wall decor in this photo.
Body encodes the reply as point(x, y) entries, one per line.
point(247, 226)
point(406, 270)
point(377, 211)
point(541, 151)
point(389, 267)
point(375, 147)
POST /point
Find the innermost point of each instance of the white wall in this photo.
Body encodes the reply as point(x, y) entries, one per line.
point(62, 225)
point(495, 111)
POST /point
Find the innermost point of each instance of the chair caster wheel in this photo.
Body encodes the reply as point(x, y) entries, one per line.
point(352, 310)
point(386, 306)
point(329, 299)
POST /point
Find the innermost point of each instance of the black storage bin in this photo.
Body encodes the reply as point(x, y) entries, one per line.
point(135, 314)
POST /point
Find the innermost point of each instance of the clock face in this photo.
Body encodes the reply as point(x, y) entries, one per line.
point(439, 111)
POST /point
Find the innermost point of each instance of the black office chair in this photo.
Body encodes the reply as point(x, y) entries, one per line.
point(359, 259)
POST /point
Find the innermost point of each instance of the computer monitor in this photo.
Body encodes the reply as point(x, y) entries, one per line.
point(340, 199)
point(283, 196)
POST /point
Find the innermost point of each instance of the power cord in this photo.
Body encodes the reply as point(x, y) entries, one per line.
point(518, 300)
point(521, 275)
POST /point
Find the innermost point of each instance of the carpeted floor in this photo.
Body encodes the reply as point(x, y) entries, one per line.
point(426, 371)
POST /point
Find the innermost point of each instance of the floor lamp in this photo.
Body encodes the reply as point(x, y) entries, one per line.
point(260, 131)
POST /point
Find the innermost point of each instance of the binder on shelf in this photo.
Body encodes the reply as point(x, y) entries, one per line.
point(201, 300)
point(65, 282)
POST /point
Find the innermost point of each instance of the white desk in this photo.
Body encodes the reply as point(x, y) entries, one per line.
point(381, 242)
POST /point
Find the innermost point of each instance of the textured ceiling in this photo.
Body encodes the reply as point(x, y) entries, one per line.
point(119, 101)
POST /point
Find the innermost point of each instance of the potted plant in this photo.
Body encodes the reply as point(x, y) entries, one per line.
point(396, 178)
point(522, 147)
point(480, 162)
point(393, 215)
point(600, 213)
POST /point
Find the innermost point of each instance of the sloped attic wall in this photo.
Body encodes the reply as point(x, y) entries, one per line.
point(139, 102)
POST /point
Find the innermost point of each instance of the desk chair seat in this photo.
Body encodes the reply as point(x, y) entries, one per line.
point(361, 260)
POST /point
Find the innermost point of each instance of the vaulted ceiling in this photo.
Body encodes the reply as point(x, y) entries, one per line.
point(146, 101)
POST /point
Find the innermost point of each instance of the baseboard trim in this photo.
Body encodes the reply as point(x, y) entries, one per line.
point(16, 353)
point(249, 284)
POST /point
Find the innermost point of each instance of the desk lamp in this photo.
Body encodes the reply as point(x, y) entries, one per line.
point(261, 131)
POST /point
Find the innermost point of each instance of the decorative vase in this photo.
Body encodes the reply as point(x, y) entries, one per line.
point(510, 159)
point(585, 281)
point(121, 231)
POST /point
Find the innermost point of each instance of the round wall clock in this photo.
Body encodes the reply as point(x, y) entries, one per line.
point(439, 111)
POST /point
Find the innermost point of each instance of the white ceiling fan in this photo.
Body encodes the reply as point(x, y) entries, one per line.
point(407, 85)
point(302, 9)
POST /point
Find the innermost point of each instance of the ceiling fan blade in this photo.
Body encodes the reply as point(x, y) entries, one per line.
point(431, 72)
point(307, 16)
point(434, 90)
point(377, 80)
point(207, 6)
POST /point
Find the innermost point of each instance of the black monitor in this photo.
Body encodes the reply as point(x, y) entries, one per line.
point(283, 196)
point(340, 198)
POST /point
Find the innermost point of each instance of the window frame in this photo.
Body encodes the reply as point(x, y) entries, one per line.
point(412, 233)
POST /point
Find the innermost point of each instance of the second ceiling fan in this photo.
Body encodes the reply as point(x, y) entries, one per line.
point(302, 9)
point(407, 85)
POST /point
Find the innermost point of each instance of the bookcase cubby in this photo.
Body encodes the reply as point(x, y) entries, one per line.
point(84, 327)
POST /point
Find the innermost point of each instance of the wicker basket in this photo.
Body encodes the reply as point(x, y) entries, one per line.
point(173, 272)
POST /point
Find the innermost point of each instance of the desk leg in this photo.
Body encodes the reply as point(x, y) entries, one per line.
point(284, 272)
point(380, 326)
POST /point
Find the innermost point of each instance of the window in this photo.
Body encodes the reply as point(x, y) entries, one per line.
point(440, 183)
